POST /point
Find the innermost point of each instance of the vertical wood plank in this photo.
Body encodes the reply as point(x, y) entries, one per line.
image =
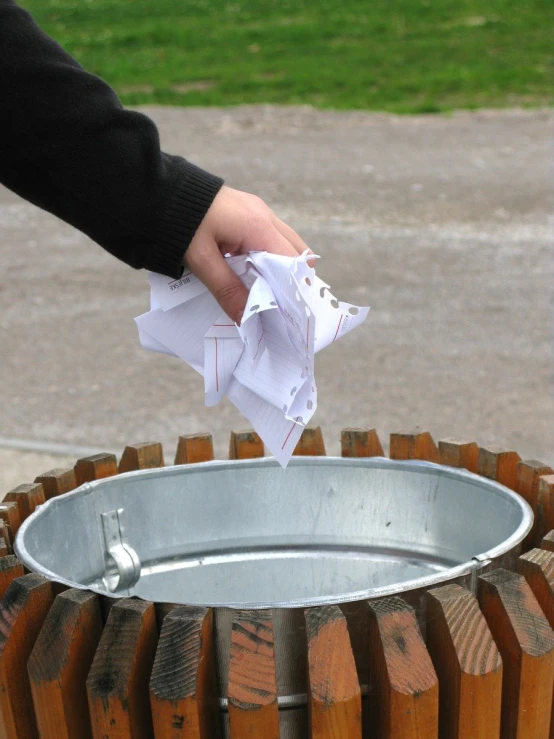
point(413, 445)
point(404, 689)
point(526, 644)
point(194, 448)
point(498, 464)
point(22, 613)
point(548, 541)
point(455, 453)
point(117, 685)
point(145, 456)
point(57, 482)
point(537, 567)
point(529, 472)
point(60, 662)
point(96, 467)
point(5, 536)
point(252, 689)
point(10, 568)
point(183, 691)
point(9, 513)
point(311, 443)
point(468, 665)
point(545, 506)
point(245, 445)
point(334, 695)
point(27, 498)
point(4, 549)
point(360, 443)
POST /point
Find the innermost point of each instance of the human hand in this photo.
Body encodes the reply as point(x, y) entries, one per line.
point(236, 223)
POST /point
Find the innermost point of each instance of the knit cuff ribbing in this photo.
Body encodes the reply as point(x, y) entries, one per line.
point(192, 195)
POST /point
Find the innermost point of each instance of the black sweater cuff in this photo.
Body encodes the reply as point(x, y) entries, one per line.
point(192, 195)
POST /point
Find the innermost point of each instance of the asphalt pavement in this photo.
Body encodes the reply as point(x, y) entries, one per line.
point(442, 224)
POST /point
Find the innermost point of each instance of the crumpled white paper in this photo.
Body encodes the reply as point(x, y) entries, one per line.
point(265, 365)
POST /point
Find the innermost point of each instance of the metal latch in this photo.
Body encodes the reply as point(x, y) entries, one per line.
point(122, 562)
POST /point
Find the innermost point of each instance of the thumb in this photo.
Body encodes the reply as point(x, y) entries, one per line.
point(209, 265)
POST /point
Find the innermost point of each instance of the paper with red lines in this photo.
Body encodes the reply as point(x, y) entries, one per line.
point(265, 366)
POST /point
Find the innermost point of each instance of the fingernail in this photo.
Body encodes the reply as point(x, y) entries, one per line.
point(239, 317)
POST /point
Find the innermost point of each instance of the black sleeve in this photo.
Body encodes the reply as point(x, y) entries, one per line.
point(67, 145)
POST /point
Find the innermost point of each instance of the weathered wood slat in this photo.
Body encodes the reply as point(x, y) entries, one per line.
point(526, 643)
point(311, 443)
point(404, 689)
point(4, 548)
point(10, 569)
point(183, 692)
point(117, 685)
point(548, 541)
point(57, 482)
point(60, 662)
point(252, 689)
point(360, 443)
point(537, 567)
point(455, 453)
point(96, 467)
point(194, 448)
point(527, 485)
point(6, 542)
point(27, 498)
point(145, 456)
point(245, 445)
point(9, 513)
point(413, 445)
point(498, 464)
point(334, 695)
point(545, 507)
point(22, 613)
point(468, 665)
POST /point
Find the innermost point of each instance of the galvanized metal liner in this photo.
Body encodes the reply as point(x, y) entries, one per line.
point(324, 530)
point(249, 534)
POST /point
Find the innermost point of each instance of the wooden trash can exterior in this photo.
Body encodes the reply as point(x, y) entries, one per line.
point(453, 662)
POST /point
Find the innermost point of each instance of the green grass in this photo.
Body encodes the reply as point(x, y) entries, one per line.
point(402, 56)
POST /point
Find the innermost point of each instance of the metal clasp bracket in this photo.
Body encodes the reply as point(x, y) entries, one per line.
point(122, 562)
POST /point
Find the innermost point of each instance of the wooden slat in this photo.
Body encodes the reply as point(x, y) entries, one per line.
point(117, 685)
point(194, 448)
point(413, 445)
point(360, 443)
point(27, 498)
point(5, 536)
point(548, 541)
point(468, 665)
point(60, 662)
point(22, 613)
point(404, 689)
point(334, 696)
point(498, 464)
point(545, 506)
point(252, 689)
point(183, 691)
point(311, 443)
point(455, 453)
point(537, 567)
point(4, 549)
point(529, 472)
point(10, 568)
point(526, 644)
point(9, 513)
point(57, 482)
point(145, 456)
point(245, 445)
point(96, 467)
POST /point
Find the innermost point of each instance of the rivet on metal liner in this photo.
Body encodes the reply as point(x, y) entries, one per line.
point(122, 562)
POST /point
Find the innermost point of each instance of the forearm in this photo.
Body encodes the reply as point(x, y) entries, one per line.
point(67, 145)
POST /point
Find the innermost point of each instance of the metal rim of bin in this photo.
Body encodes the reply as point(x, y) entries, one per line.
point(478, 562)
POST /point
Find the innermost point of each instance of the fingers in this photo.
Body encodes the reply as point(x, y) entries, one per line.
point(208, 264)
point(290, 234)
point(270, 239)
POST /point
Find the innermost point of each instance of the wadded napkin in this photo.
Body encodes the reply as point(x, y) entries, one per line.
point(265, 365)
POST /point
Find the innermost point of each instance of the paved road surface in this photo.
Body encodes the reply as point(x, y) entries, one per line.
point(444, 225)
